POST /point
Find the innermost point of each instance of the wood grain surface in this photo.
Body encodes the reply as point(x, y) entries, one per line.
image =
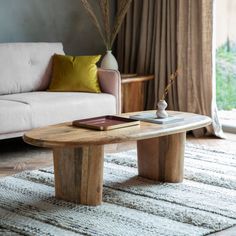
point(66, 135)
point(132, 92)
point(79, 174)
point(132, 96)
point(135, 78)
point(78, 153)
point(162, 158)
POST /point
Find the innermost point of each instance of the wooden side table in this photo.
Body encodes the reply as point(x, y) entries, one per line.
point(132, 91)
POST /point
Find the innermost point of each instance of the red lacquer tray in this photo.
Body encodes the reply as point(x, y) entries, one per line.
point(105, 122)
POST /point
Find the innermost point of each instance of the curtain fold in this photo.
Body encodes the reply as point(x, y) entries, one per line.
point(147, 45)
point(195, 62)
point(157, 37)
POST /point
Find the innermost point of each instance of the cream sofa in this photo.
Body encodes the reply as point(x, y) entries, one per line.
point(25, 73)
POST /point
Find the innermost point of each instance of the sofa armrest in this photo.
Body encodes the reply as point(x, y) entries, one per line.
point(110, 82)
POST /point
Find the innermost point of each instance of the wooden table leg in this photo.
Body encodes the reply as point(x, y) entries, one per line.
point(79, 174)
point(162, 158)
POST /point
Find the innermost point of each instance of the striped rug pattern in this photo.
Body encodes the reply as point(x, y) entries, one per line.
point(204, 203)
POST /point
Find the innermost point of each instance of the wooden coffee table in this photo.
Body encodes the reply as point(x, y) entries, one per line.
point(78, 153)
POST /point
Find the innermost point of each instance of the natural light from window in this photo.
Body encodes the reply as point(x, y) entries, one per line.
point(226, 62)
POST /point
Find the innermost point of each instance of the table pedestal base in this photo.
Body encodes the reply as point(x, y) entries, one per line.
point(79, 171)
point(78, 174)
point(162, 158)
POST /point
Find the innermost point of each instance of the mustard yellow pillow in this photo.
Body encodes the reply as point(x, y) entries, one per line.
point(75, 74)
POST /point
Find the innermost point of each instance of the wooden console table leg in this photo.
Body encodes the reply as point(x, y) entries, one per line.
point(78, 174)
point(162, 158)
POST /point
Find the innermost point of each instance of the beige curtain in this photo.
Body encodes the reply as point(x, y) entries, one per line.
point(159, 36)
point(195, 62)
point(147, 45)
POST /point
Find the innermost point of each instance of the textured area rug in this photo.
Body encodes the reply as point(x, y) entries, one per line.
point(204, 203)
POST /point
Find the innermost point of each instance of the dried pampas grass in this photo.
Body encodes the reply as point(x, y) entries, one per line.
point(107, 34)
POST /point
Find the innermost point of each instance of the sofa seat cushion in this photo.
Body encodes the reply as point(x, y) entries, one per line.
point(55, 107)
point(14, 116)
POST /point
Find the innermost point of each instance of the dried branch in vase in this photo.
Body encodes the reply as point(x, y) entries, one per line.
point(105, 9)
point(95, 21)
point(170, 83)
point(107, 34)
point(122, 10)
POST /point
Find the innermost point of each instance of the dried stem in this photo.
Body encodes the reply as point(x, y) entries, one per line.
point(95, 21)
point(108, 35)
point(171, 81)
point(105, 8)
point(123, 8)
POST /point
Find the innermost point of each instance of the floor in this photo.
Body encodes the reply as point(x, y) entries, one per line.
point(12, 161)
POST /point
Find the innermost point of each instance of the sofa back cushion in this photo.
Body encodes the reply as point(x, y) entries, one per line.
point(26, 67)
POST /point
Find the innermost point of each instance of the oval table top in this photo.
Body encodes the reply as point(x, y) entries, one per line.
point(64, 134)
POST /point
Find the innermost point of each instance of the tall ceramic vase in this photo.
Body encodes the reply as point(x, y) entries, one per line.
point(109, 61)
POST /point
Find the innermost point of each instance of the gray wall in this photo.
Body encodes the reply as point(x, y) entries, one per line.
point(50, 21)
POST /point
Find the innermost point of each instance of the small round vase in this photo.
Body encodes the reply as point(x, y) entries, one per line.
point(161, 106)
point(109, 61)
